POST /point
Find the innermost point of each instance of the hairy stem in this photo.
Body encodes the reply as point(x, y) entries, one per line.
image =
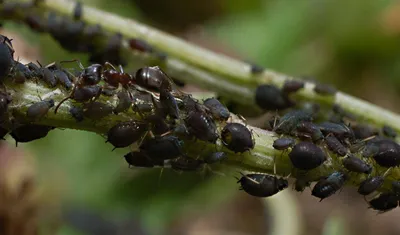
point(217, 72)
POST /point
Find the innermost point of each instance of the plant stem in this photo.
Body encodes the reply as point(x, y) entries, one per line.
point(220, 73)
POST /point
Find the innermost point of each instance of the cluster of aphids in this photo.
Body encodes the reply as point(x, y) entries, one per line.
point(73, 34)
point(350, 147)
point(168, 117)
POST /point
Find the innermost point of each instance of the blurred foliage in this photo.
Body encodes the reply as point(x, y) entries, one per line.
point(339, 41)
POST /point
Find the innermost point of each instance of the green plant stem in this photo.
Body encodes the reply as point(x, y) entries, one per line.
point(260, 159)
point(219, 70)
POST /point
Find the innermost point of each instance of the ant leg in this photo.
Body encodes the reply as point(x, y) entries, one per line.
point(65, 99)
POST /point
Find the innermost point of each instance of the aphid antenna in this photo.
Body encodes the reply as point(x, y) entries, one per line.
point(65, 99)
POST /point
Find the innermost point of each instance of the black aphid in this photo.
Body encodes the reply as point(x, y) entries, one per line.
point(324, 89)
point(370, 185)
point(48, 77)
point(256, 69)
point(217, 110)
point(215, 157)
point(261, 185)
point(167, 100)
point(97, 110)
point(283, 143)
point(140, 45)
point(292, 86)
point(388, 153)
point(310, 130)
point(363, 131)
point(355, 164)
point(237, 137)
point(29, 132)
point(38, 110)
point(329, 185)
point(306, 156)
point(389, 132)
point(269, 97)
point(83, 94)
point(20, 72)
point(384, 202)
point(288, 123)
point(340, 130)
point(63, 79)
point(163, 147)
point(335, 145)
point(140, 159)
point(77, 113)
point(6, 56)
point(150, 78)
point(125, 133)
point(186, 164)
point(396, 188)
point(124, 102)
point(201, 126)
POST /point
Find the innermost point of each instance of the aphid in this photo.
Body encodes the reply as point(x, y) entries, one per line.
point(340, 130)
point(269, 97)
point(389, 132)
point(388, 154)
point(370, 185)
point(168, 101)
point(311, 130)
point(355, 164)
point(288, 123)
point(217, 110)
point(215, 157)
point(329, 185)
point(33, 67)
point(29, 132)
point(163, 147)
point(124, 102)
point(335, 146)
point(63, 79)
point(97, 110)
point(158, 124)
point(20, 72)
point(140, 159)
point(38, 110)
point(292, 86)
point(77, 13)
point(261, 185)
point(337, 109)
point(125, 133)
point(140, 45)
point(363, 131)
point(301, 184)
point(48, 77)
point(6, 56)
point(201, 126)
point(306, 156)
point(150, 78)
point(77, 113)
point(237, 137)
point(283, 143)
point(384, 202)
point(324, 89)
point(186, 164)
point(256, 69)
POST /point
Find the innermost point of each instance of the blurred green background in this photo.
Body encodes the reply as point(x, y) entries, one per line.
point(354, 45)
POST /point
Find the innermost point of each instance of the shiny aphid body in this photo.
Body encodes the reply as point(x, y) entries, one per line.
point(76, 113)
point(269, 97)
point(186, 164)
point(283, 143)
point(309, 130)
point(329, 185)
point(389, 132)
point(150, 78)
point(324, 89)
point(6, 56)
point(163, 147)
point(388, 153)
point(261, 185)
point(307, 156)
point(97, 110)
point(124, 102)
point(38, 110)
point(370, 185)
point(29, 132)
point(292, 86)
point(237, 137)
point(201, 126)
point(335, 145)
point(216, 109)
point(288, 123)
point(339, 130)
point(124, 134)
point(354, 164)
point(167, 101)
point(140, 159)
point(384, 202)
